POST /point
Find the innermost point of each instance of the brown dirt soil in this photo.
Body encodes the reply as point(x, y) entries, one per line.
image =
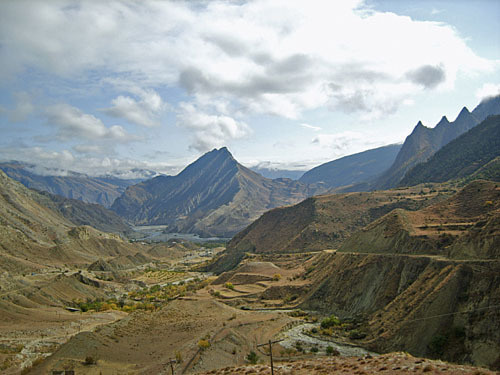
point(390, 364)
point(262, 283)
point(465, 226)
point(143, 343)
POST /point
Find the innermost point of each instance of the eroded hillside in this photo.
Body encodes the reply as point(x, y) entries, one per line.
point(323, 222)
point(413, 303)
point(463, 226)
point(34, 237)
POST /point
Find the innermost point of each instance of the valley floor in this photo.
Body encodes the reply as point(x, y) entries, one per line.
point(212, 325)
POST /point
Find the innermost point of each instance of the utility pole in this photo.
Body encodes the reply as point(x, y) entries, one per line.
point(171, 362)
point(270, 343)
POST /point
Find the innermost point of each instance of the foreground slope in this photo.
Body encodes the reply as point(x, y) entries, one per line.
point(215, 195)
point(389, 364)
point(353, 169)
point(462, 157)
point(33, 236)
point(426, 306)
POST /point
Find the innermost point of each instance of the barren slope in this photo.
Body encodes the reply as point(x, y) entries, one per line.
point(322, 222)
point(33, 236)
point(464, 226)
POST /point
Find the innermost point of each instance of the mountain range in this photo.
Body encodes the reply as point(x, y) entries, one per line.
point(103, 190)
point(408, 266)
point(213, 196)
point(267, 171)
point(81, 213)
point(217, 196)
point(474, 153)
point(353, 169)
point(423, 142)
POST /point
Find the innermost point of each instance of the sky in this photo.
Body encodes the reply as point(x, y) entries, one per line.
point(107, 87)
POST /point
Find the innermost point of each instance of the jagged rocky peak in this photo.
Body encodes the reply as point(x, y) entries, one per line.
point(444, 120)
point(213, 159)
point(443, 123)
point(222, 153)
point(465, 120)
point(418, 128)
point(463, 112)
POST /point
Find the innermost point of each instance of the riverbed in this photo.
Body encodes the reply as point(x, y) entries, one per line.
point(157, 233)
point(296, 334)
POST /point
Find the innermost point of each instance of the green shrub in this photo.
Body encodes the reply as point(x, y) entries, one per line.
point(331, 321)
point(459, 332)
point(252, 358)
point(330, 350)
point(299, 347)
point(203, 344)
point(178, 357)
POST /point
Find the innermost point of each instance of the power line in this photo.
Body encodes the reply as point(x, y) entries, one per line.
point(455, 313)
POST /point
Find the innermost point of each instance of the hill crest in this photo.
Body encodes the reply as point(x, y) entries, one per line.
point(213, 196)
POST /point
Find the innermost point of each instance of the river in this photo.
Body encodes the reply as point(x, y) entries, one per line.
point(157, 233)
point(296, 334)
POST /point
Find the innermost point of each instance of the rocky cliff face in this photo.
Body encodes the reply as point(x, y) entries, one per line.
point(215, 195)
point(420, 304)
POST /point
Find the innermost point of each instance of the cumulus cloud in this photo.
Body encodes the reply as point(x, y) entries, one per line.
point(209, 130)
point(91, 149)
point(278, 57)
point(71, 123)
point(337, 141)
point(334, 145)
point(488, 90)
point(145, 111)
point(23, 107)
point(54, 160)
point(49, 162)
point(427, 76)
